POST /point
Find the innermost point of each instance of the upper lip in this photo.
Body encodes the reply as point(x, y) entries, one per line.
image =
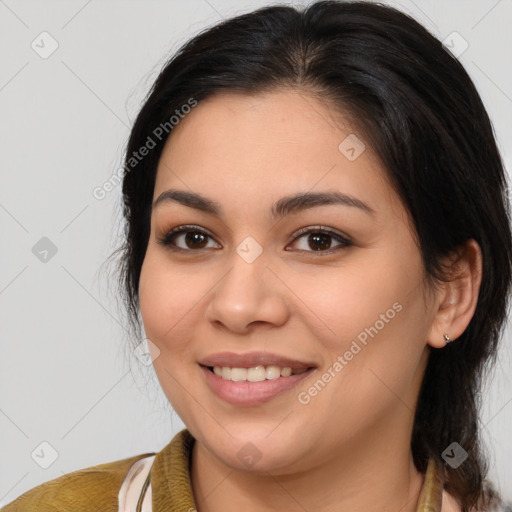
point(252, 359)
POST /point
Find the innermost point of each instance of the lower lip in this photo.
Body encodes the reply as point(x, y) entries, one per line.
point(251, 393)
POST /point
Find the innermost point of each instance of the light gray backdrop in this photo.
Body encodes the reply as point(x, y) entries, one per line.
point(65, 114)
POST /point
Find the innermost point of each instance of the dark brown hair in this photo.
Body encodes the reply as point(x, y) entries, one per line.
point(418, 108)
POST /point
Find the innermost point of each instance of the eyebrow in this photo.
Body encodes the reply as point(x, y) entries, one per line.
point(284, 206)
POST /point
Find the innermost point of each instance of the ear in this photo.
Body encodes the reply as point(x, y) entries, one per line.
point(456, 299)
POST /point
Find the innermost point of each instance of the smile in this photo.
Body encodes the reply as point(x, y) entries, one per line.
point(255, 374)
point(234, 384)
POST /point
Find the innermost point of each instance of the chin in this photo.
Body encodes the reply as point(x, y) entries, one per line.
point(263, 449)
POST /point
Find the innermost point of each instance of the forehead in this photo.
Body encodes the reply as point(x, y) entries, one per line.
point(282, 122)
point(264, 146)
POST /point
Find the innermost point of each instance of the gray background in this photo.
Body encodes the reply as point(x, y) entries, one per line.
point(66, 377)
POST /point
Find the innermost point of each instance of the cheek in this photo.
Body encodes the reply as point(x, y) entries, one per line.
point(370, 313)
point(350, 299)
point(167, 297)
point(379, 354)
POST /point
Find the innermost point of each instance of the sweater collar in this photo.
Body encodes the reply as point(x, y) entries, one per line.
point(172, 488)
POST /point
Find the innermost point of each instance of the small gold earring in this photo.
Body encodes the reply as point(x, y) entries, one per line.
point(447, 338)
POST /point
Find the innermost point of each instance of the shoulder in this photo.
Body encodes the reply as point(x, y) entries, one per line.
point(92, 488)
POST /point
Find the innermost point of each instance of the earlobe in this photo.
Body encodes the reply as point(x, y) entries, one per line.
point(457, 298)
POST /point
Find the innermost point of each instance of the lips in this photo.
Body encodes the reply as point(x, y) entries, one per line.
point(253, 359)
point(249, 394)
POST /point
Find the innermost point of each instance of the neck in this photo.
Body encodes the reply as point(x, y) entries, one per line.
point(376, 472)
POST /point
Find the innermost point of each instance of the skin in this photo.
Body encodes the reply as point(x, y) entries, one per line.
point(349, 447)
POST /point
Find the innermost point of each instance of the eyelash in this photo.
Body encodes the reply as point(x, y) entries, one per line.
point(167, 239)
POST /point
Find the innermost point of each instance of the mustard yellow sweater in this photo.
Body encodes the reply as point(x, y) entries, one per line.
point(95, 489)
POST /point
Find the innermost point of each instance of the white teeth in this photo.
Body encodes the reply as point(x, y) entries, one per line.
point(273, 372)
point(238, 374)
point(255, 374)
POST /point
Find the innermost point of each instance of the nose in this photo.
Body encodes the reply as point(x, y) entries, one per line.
point(248, 294)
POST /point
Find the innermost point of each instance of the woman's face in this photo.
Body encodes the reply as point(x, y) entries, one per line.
point(354, 313)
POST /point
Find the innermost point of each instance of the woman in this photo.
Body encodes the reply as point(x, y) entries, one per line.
point(318, 242)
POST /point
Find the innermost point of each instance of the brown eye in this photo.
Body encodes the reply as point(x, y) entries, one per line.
point(195, 240)
point(320, 240)
point(190, 237)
